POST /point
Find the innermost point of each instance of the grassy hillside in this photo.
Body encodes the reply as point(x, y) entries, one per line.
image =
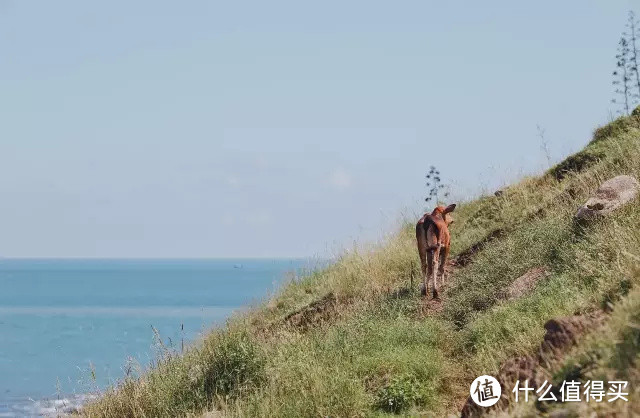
point(356, 339)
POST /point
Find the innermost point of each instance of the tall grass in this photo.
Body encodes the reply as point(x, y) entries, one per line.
point(376, 352)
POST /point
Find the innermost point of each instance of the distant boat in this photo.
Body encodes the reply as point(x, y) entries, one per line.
point(237, 266)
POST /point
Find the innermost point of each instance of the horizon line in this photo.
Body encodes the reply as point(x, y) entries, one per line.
point(160, 258)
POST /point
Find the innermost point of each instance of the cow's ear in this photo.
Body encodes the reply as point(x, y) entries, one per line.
point(449, 208)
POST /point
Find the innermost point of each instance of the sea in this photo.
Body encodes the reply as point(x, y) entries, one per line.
point(69, 328)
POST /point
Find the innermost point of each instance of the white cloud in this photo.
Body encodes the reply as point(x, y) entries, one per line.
point(340, 179)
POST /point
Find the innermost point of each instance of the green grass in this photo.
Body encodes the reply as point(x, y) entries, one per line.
point(377, 353)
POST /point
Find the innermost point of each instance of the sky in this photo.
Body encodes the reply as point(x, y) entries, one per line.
point(280, 128)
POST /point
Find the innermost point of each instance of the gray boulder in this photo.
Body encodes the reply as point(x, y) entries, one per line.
point(611, 195)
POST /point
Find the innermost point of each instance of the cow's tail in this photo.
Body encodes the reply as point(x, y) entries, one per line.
point(436, 230)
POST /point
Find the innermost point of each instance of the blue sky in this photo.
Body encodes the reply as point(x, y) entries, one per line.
point(273, 129)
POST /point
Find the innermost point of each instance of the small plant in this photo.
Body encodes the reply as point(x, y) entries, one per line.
point(434, 185)
point(399, 394)
point(632, 35)
point(544, 145)
point(626, 79)
point(621, 77)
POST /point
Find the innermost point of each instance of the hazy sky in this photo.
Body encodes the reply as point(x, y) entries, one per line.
point(215, 129)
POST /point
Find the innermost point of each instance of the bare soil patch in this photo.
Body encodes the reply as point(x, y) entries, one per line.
point(524, 284)
point(466, 256)
point(314, 313)
point(561, 335)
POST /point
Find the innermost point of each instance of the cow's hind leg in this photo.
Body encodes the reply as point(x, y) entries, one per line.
point(423, 263)
point(433, 271)
point(428, 271)
point(444, 255)
point(422, 252)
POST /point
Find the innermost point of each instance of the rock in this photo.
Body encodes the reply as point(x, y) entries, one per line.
point(498, 193)
point(611, 195)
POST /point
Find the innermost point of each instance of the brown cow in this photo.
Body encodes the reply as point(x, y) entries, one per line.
point(432, 234)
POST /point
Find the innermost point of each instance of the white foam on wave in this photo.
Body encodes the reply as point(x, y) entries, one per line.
point(45, 407)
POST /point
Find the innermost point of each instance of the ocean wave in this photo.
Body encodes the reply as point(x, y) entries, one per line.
point(21, 408)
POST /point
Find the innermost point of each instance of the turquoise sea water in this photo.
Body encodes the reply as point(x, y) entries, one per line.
point(62, 319)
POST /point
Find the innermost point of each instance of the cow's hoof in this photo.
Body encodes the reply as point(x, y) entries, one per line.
point(435, 295)
point(423, 290)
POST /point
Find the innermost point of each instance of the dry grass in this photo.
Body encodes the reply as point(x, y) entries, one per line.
point(377, 353)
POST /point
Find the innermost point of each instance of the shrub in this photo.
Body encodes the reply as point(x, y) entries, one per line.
point(235, 363)
point(618, 126)
point(400, 394)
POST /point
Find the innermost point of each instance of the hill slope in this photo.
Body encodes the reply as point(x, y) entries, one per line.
point(356, 339)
